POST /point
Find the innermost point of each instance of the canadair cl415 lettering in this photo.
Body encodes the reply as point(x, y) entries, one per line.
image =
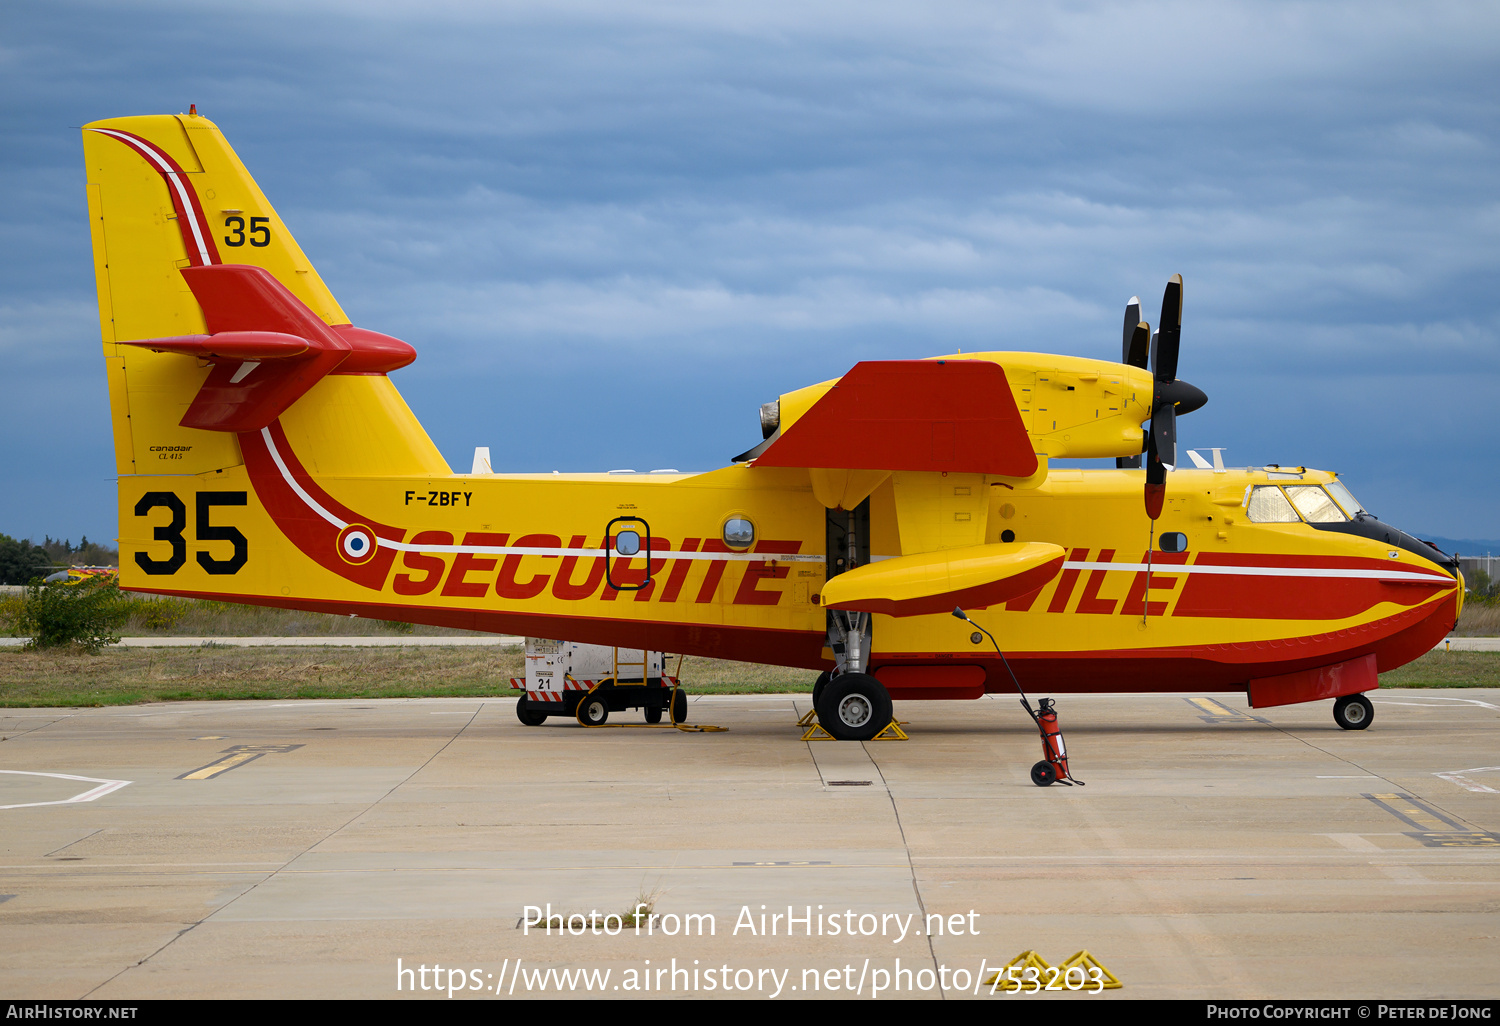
point(264, 456)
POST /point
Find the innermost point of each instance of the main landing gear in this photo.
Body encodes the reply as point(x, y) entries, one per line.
point(852, 706)
point(1353, 712)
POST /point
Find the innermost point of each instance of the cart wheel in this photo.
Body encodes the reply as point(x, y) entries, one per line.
point(855, 707)
point(527, 715)
point(679, 707)
point(1353, 712)
point(1043, 773)
point(653, 715)
point(593, 710)
point(822, 683)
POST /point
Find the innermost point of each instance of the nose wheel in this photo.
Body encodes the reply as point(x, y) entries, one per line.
point(1353, 712)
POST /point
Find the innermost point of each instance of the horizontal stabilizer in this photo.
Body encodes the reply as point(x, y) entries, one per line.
point(268, 348)
point(230, 345)
point(945, 415)
point(935, 582)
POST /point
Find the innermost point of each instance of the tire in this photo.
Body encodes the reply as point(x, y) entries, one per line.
point(820, 686)
point(1043, 774)
point(1353, 712)
point(653, 715)
point(593, 710)
point(679, 707)
point(528, 714)
point(855, 707)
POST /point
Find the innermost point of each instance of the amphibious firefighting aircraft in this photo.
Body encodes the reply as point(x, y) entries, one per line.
point(265, 456)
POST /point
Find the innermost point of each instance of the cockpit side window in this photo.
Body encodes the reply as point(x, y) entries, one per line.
point(1268, 505)
point(1315, 505)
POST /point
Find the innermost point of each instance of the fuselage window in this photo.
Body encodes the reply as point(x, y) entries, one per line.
point(1315, 505)
point(739, 533)
point(1268, 506)
point(627, 543)
point(1174, 541)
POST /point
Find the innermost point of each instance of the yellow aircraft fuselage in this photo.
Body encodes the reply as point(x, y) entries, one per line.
point(265, 456)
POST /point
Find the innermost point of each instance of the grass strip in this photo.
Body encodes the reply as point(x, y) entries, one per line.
point(129, 676)
point(59, 678)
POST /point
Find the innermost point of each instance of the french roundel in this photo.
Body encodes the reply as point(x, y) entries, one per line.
point(356, 544)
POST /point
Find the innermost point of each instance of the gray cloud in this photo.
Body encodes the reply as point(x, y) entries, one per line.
point(716, 203)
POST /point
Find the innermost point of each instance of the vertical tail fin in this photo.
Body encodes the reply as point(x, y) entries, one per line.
point(215, 322)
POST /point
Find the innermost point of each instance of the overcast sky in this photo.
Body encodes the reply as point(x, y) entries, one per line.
point(613, 231)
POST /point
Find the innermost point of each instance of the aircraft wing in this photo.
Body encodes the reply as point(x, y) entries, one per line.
point(935, 582)
point(923, 415)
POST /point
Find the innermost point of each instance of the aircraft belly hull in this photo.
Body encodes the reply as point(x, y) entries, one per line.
point(1394, 640)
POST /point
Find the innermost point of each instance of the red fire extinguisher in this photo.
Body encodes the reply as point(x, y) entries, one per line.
point(1054, 765)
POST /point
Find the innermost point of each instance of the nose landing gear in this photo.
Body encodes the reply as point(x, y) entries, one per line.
point(1353, 712)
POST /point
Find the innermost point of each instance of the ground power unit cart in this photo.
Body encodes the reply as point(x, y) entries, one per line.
point(588, 682)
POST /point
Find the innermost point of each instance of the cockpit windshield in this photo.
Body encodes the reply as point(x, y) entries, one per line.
point(1273, 504)
point(1345, 498)
point(1315, 505)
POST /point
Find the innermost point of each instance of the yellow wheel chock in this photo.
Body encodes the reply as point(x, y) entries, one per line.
point(1011, 977)
point(1086, 961)
point(815, 731)
point(1006, 980)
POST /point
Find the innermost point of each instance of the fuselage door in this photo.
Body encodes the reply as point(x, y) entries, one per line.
point(625, 539)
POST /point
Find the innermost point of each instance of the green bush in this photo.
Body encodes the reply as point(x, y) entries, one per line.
point(1480, 587)
point(159, 614)
point(87, 614)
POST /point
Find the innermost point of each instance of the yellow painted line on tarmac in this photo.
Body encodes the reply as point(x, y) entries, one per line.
point(1415, 812)
point(1434, 828)
point(1217, 712)
point(233, 758)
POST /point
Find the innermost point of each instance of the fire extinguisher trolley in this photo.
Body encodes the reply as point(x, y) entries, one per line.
point(1054, 765)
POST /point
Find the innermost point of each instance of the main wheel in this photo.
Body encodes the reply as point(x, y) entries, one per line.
point(593, 710)
point(679, 707)
point(1043, 774)
point(855, 707)
point(528, 714)
point(1353, 712)
point(653, 715)
point(822, 683)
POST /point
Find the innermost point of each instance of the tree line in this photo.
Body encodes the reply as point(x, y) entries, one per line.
point(22, 559)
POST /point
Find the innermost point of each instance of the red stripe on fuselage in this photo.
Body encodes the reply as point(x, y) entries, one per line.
point(1309, 597)
point(314, 536)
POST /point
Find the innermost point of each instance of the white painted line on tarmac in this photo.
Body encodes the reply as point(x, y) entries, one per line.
point(1440, 698)
point(104, 788)
point(1461, 778)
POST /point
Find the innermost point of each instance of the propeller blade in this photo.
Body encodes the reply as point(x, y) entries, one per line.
point(1169, 332)
point(1138, 346)
point(1156, 479)
point(1164, 435)
point(1130, 351)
